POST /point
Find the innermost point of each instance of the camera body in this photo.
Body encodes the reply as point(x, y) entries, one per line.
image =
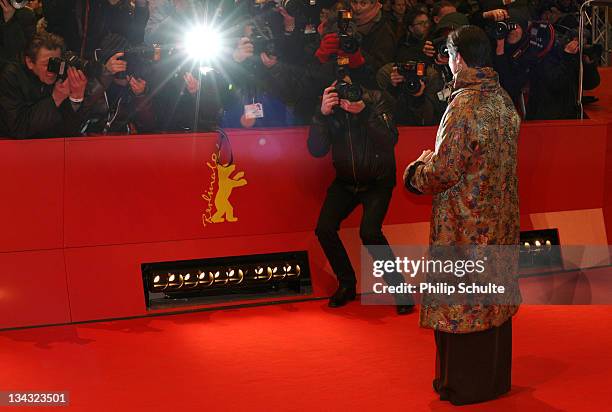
point(347, 91)
point(60, 65)
point(348, 42)
point(263, 44)
point(414, 73)
point(139, 60)
point(263, 20)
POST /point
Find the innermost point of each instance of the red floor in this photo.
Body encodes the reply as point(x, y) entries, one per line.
point(300, 357)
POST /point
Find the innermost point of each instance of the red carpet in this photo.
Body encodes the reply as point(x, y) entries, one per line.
point(300, 357)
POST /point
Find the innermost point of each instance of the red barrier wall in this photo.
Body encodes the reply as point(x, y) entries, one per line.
point(80, 215)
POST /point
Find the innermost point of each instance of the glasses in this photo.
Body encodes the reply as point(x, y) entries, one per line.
point(422, 23)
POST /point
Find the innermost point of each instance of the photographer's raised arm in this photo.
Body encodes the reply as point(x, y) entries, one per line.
point(319, 135)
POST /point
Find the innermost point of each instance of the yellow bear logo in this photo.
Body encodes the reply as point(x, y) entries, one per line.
point(226, 183)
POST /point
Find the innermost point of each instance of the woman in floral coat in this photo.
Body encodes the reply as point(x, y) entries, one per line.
point(472, 175)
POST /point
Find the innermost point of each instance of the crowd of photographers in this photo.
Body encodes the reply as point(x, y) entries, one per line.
point(86, 67)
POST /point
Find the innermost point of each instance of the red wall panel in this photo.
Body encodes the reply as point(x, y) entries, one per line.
point(149, 188)
point(31, 182)
point(33, 288)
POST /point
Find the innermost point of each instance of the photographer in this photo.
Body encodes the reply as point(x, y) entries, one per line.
point(513, 58)
point(424, 105)
point(83, 24)
point(411, 46)
point(33, 102)
point(16, 29)
point(553, 81)
point(416, 102)
point(254, 100)
point(299, 85)
point(361, 135)
point(122, 104)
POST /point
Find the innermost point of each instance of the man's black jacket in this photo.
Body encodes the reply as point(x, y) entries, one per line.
point(27, 109)
point(362, 145)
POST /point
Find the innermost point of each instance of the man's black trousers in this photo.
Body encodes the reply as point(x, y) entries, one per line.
point(339, 203)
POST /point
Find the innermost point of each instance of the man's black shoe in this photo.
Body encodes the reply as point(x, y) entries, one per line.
point(404, 309)
point(342, 296)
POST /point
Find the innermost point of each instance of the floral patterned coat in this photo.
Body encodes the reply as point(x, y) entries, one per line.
point(472, 176)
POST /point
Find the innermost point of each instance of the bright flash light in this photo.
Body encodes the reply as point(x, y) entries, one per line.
point(203, 43)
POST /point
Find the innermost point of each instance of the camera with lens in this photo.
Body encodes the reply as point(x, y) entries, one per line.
point(348, 42)
point(263, 41)
point(347, 91)
point(564, 35)
point(139, 60)
point(413, 73)
point(60, 65)
point(500, 29)
point(440, 46)
point(19, 4)
point(263, 20)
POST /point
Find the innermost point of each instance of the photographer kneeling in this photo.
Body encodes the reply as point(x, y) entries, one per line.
point(357, 125)
point(34, 103)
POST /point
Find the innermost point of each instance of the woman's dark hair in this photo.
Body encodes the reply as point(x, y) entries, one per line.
point(473, 44)
point(43, 40)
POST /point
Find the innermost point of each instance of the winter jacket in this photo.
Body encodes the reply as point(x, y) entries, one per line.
point(362, 145)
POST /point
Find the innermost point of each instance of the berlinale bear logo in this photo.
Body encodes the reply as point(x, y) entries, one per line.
point(221, 176)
